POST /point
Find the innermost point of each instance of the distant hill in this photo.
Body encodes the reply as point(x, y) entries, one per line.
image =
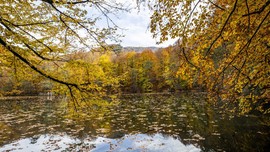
point(140, 49)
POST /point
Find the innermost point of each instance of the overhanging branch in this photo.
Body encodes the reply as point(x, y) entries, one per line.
point(68, 2)
point(246, 45)
point(221, 31)
point(33, 67)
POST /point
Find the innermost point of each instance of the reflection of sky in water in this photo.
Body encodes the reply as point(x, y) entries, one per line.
point(187, 118)
point(133, 143)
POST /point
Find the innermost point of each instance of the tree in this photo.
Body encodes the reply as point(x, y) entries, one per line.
point(169, 65)
point(42, 33)
point(235, 31)
point(147, 68)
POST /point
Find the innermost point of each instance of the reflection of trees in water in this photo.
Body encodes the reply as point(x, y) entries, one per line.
point(187, 117)
point(28, 117)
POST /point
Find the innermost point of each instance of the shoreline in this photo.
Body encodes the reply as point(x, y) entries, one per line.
point(22, 97)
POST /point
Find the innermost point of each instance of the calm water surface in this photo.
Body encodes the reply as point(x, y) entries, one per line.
point(154, 123)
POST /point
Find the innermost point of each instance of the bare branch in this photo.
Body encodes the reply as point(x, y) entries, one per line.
point(107, 17)
point(74, 32)
point(88, 31)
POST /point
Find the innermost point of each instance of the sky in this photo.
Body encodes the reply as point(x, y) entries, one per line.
point(136, 28)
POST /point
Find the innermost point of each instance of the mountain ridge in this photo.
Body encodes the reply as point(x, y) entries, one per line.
point(140, 49)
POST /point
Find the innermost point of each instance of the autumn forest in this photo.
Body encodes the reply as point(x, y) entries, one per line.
point(227, 56)
point(72, 48)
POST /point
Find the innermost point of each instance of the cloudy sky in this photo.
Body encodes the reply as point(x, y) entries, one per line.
point(136, 29)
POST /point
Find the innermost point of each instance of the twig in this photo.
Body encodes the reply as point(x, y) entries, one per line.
point(248, 16)
point(68, 2)
point(183, 50)
point(258, 11)
point(216, 5)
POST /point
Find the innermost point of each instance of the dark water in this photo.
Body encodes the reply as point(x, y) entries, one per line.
point(136, 123)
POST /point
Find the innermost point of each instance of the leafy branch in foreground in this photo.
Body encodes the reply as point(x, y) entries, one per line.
point(41, 34)
point(226, 46)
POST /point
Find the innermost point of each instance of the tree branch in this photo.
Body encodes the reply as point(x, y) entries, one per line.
point(183, 41)
point(88, 31)
point(221, 31)
point(68, 2)
point(258, 11)
point(73, 98)
point(216, 5)
point(248, 16)
point(74, 32)
point(240, 71)
point(186, 58)
point(33, 67)
point(27, 45)
point(31, 24)
point(246, 45)
point(190, 17)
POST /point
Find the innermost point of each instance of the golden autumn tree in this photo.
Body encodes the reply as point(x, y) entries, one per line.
point(15, 81)
point(127, 71)
point(225, 45)
point(147, 70)
point(41, 35)
point(169, 65)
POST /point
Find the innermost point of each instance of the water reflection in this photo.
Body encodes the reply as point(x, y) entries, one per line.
point(186, 117)
point(133, 143)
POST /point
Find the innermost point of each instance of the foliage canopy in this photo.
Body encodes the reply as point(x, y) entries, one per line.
point(223, 47)
point(42, 34)
point(224, 43)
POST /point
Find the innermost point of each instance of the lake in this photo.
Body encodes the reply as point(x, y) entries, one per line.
point(137, 123)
